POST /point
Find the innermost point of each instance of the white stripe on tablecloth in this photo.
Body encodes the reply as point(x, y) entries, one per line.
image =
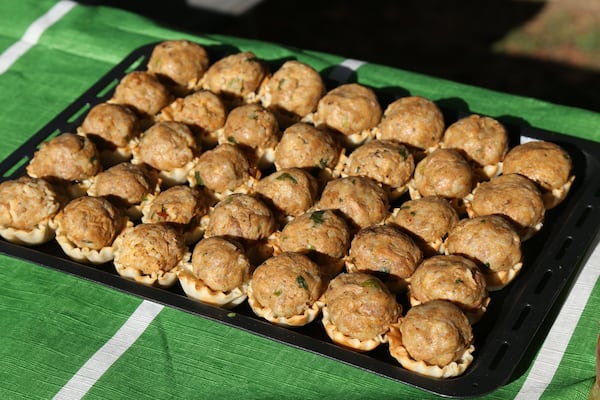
point(33, 33)
point(341, 72)
point(106, 356)
point(553, 348)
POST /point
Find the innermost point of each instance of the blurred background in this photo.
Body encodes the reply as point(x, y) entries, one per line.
point(546, 49)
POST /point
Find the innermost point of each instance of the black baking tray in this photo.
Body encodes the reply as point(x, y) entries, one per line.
point(507, 337)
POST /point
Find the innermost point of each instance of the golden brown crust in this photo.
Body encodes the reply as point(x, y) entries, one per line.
point(545, 163)
point(414, 121)
point(27, 206)
point(387, 162)
point(286, 289)
point(360, 199)
point(66, 158)
point(491, 241)
point(481, 140)
point(241, 216)
point(323, 235)
point(304, 146)
point(453, 278)
point(359, 306)
point(203, 111)
point(427, 219)
point(127, 185)
point(386, 250)
point(150, 254)
point(350, 109)
point(180, 64)
point(224, 169)
point(143, 92)
point(180, 204)
point(252, 126)
point(236, 76)
point(111, 125)
point(169, 147)
point(290, 191)
point(513, 196)
point(219, 272)
point(434, 339)
point(292, 92)
point(444, 173)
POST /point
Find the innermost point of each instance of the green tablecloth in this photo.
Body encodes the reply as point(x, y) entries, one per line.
point(52, 323)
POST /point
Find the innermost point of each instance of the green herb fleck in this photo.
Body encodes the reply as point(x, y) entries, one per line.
point(301, 282)
point(459, 281)
point(231, 314)
point(278, 292)
point(322, 163)
point(198, 178)
point(403, 153)
point(280, 84)
point(235, 82)
point(231, 139)
point(413, 213)
point(285, 176)
point(372, 283)
point(317, 217)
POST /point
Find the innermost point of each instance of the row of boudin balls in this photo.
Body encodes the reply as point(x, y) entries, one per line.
point(245, 184)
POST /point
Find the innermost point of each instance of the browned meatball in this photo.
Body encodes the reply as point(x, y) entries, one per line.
point(111, 126)
point(286, 285)
point(67, 157)
point(126, 184)
point(387, 162)
point(203, 111)
point(323, 235)
point(514, 196)
point(26, 208)
point(436, 333)
point(360, 199)
point(545, 163)
point(304, 146)
point(414, 121)
point(428, 220)
point(252, 126)
point(450, 277)
point(150, 254)
point(179, 63)
point(143, 92)
point(167, 146)
point(491, 241)
point(481, 140)
point(444, 173)
point(359, 306)
point(221, 264)
point(236, 76)
point(179, 204)
point(241, 216)
point(293, 91)
point(290, 191)
point(90, 222)
point(223, 169)
point(350, 109)
point(384, 249)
